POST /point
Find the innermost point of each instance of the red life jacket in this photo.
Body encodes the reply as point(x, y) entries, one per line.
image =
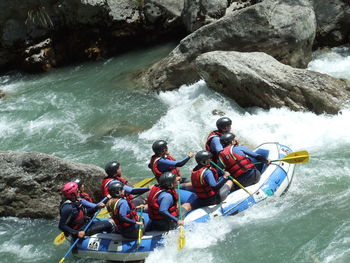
point(86, 196)
point(207, 144)
point(132, 214)
point(107, 180)
point(153, 205)
point(200, 185)
point(235, 164)
point(79, 221)
point(153, 165)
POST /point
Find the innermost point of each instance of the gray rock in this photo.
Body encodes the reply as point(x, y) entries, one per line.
point(197, 13)
point(333, 22)
point(30, 183)
point(284, 29)
point(257, 79)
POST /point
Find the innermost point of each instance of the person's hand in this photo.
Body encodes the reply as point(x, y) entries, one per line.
point(140, 206)
point(101, 205)
point(139, 223)
point(180, 222)
point(190, 155)
point(81, 234)
point(226, 175)
point(268, 161)
point(109, 196)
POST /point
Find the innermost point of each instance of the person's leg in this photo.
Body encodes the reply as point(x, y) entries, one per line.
point(98, 227)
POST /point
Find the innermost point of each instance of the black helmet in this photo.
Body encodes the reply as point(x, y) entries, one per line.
point(159, 146)
point(115, 188)
point(227, 138)
point(111, 168)
point(78, 181)
point(203, 156)
point(167, 179)
point(223, 122)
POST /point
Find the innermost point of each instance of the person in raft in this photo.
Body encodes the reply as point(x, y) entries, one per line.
point(163, 204)
point(237, 163)
point(73, 214)
point(207, 184)
point(114, 174)
point(213, 143)
point(162, 162)
point(122, 211)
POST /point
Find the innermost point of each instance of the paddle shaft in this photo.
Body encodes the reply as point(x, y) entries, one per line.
point(76, 241)
point(233, 179)
point(140, 228)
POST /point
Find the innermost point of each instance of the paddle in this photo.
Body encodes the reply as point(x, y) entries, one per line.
point(144, 182)
point(182, 237)
point(294, 157)
point(233, 179)
point(140, 228)
point(76, 241)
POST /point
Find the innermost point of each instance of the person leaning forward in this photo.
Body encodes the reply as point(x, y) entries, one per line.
point(208, 185)
point(73, 214)
point(163, 204)
point(213, 143)
point(239, 166)
point(162, 162)
point(122, 211)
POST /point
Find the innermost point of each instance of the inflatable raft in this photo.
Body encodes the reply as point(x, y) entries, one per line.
point(275, 180)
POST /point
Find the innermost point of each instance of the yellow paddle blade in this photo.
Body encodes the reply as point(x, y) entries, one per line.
point(61, 261)
point(59, 239)
point(103, 213)
point(144, 182)
point(139, 236)
point(296, 157)
point(182, 238)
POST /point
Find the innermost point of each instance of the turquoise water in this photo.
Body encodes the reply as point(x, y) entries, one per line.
point(92, 113)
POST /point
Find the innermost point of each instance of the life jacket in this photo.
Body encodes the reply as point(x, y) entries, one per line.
point(153, 165)
point(153, 205)
point(107, 180)
point(200, 185)
point(113, 209)
point(79, 220)
point(235, 164)
point(207, 144)
point(86, 196)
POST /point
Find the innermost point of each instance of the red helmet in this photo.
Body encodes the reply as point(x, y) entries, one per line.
point(70, 190)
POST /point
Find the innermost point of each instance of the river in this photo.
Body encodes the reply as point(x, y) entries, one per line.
point(91, 113)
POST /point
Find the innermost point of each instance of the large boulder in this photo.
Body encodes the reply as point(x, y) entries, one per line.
point(82, 29)
point(333, 22)
point(285, 29)
point(30, 183)
point(257, 79)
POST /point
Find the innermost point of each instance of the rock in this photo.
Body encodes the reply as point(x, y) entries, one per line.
point(40, 57)
point(2, 94)
point(257, 79)
point(333, 22)
point(30, 183)
point(197, 13)
point(284, 29)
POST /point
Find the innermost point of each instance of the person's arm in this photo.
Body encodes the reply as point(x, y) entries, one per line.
point(88, 204)
point(209, 177)
point(165, 202)
point(252, 154)
point(135, 190)
point(216, 145)
point(66, 216)
point(164, 163)
point(123, 211)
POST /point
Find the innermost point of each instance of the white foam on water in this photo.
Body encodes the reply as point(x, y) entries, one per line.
point(198, 238)
point(334, 62)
